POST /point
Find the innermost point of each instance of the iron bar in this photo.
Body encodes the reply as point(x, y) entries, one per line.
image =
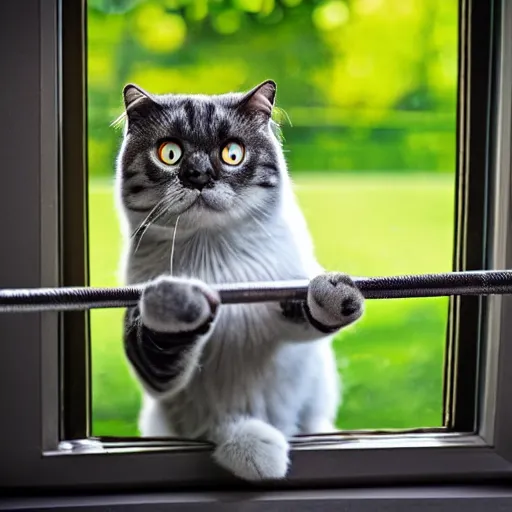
point(392, 287)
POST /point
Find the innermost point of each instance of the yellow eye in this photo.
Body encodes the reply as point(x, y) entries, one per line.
point(169, 153)
point(233, 153)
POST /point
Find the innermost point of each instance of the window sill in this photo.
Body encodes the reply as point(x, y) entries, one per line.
point(340, 462)
point(440, 499)
point(343, 441)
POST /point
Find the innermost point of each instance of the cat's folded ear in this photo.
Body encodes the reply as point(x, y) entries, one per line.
point(261, 99)
point(137, 102)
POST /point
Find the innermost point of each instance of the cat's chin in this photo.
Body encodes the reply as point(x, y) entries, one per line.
point(205, 204)
point(215, 200)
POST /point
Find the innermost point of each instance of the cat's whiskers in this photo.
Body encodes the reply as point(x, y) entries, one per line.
point(152, 216)
point(174, 243)
point(160, 209)
point(258, 209)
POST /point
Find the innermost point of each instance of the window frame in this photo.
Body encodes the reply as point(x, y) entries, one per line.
point(71, 19)
point(466, 319)
point(30, 349)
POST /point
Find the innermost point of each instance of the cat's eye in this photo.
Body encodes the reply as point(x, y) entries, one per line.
point(170, 153)
point(233, 153)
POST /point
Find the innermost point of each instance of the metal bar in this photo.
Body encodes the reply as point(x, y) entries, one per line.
point(393, 287)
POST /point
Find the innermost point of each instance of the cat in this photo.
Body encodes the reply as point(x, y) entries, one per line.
point(203, 184)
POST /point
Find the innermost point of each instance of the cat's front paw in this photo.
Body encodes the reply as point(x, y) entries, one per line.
point(176, 305)
point(253, 450)
point(334, 300)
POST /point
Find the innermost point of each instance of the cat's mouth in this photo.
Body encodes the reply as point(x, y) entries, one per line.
point(210, 200)
point(202, 206)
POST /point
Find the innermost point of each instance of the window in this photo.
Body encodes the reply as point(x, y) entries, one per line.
point(44, 358)
point(371, 138)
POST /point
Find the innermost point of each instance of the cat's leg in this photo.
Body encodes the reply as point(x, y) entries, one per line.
point(251, 449)
point(154, 418)
point(318, 415)
point(333, 302)
point(165, 333)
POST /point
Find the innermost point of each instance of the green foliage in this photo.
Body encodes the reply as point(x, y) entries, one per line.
point(369, 85)
point(392, 360)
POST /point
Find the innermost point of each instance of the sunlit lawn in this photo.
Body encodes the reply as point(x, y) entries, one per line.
point(392, 360)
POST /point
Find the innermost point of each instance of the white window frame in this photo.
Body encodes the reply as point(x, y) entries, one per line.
point(32, 453)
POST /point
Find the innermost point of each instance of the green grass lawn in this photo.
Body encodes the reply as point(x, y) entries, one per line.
point(392, 360)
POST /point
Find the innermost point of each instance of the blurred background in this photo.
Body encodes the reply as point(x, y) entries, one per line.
point(369, 88)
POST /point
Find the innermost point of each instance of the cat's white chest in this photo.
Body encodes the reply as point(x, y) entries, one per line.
point(249, 260)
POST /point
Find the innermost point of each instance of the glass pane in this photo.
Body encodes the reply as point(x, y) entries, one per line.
point(370, 90)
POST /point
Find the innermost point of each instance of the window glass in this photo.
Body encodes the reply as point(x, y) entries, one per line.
point(370, 90)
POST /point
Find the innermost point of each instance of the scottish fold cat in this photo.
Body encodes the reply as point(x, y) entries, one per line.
point(203, 184)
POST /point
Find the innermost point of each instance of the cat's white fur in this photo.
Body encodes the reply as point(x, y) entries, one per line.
point(260, 379)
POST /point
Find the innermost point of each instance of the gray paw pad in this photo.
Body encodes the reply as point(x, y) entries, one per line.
point(177, 305)
point(334, 300)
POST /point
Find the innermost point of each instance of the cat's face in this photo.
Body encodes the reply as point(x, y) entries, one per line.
point(212, 160)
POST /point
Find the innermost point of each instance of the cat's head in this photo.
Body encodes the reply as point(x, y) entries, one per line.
point(213, 160)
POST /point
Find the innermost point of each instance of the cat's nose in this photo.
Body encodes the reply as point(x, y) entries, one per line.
point(195, 178)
